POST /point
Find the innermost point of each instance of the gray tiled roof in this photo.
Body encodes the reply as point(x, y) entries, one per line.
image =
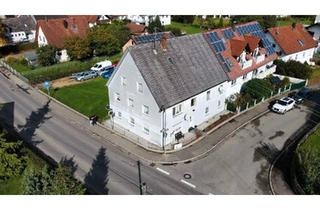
point(187, 68)
point(21, 23)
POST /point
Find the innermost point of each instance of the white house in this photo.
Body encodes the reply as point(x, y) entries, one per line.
point(54, 31)
point(145, 19)
point(164, 89)
point(20, 29)
point(159, 92)
point(314, 30)
point(293, 42)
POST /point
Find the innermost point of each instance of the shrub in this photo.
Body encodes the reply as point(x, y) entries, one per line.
point(257, 88)
point(27, 46)
point(175, 30)
point(47, 55)
point(293, 69)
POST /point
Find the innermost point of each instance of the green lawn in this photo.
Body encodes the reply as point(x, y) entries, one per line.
point(188, 28)
point(88, 98)
point(312, 144)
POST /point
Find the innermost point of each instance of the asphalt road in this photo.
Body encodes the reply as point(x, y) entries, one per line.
point(97, 162)
point(240, 165)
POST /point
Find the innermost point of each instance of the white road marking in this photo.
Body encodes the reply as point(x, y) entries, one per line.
point(187, 183)
point(163, 171)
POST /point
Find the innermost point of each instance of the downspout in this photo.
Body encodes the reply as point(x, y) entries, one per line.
point(163, 130)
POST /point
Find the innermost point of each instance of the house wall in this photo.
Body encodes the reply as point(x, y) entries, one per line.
point(302, 56)
point(41, 39)
point(145, 19)
point(17, 37)
point(191, 116)
point(62, 56)
point(152, 121)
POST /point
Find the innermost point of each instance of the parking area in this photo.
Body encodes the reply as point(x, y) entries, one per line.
point(240, 165)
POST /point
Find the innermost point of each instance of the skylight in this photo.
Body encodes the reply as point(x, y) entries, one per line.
point(300, 42)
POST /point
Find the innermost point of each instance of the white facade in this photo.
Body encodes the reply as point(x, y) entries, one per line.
point(145, 19)
point(129, 105)
point(315, 29)
point(21, 36)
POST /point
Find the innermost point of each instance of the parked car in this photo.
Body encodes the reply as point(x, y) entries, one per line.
point(106, 73)
point(86, 75)
point(99, 66)
point(283, 105)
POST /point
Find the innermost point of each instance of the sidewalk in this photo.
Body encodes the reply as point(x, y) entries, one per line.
point(197, 150)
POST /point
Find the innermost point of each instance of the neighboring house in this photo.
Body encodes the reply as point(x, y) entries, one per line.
point(244, 52)
point(136, 29)
point(317, 19)
point(20, 29)
point(31, 57)
point(145, 19)
point(54, 31)
point(144, 38)
point(293, 42)
point(164, 88)
point(314, 30)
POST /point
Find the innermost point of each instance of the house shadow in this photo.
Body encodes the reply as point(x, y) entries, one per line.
point(97, 178)
point(7, 114)
point(33, 122)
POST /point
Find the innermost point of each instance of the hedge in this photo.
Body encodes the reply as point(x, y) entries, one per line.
point(62, 69)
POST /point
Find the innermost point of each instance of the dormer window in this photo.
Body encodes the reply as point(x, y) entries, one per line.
point(300, 42)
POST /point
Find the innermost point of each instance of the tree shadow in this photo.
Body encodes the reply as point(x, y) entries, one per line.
point(69, 163)
point(7, 114)
point(267, 151)
point(97, 178)
point(33, 122)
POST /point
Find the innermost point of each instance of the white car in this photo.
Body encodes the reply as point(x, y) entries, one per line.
point(283, 105)
point(101, 65)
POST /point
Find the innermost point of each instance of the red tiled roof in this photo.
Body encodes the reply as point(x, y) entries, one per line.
point(288, 38)
point(252, 41)
point(136, 28)
point(57, 30)
point(237, 46)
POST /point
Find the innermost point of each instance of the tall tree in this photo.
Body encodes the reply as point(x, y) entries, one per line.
point(155, 25)
point(46, 55)
point(78, 48)
point(11, 163)
point(103, 42)
point(2, 34)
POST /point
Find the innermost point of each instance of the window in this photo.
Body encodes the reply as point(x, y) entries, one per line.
point(244, 76)
point(139, 87)
point(123, 81)
point(208, 95)
point(130, 102)
point(131, 121)
point(219, 103)
point(145, 109)
point(146, 130)
point(296, 56)
point(207, 110)
point(176, 110)
point(193, 101)
point(119, 115)
point(117, 96)
point(255, 72)
point(304, 54)
point(233, 82)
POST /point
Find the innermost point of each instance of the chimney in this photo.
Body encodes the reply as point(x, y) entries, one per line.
point(163, 42)
point(65, 23)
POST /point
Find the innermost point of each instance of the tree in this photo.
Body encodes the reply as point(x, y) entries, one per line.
point(293, 68)
point(78, 48)
point(265, 21)
point(47, 55)
point(102, 42)
point(183, 18)
point(155, 25)
point(2, 34)
point(58, 181)
point(220, 24)
point(175, 30)
point(269, 21)
point(257, 88)
point(11, 163)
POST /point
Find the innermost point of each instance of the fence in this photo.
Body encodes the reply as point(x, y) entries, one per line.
point(13, 71)
point(277, 92)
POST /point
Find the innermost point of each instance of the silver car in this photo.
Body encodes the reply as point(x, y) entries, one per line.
point(86, 75)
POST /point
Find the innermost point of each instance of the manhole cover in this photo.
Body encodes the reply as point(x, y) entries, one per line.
point(187, 176)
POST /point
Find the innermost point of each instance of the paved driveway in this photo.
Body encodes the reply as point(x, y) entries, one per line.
point(240, 165)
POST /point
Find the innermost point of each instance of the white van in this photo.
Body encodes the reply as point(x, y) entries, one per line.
point(101, 65)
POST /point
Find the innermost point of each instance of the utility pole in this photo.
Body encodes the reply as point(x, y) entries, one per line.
point(140, 182)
